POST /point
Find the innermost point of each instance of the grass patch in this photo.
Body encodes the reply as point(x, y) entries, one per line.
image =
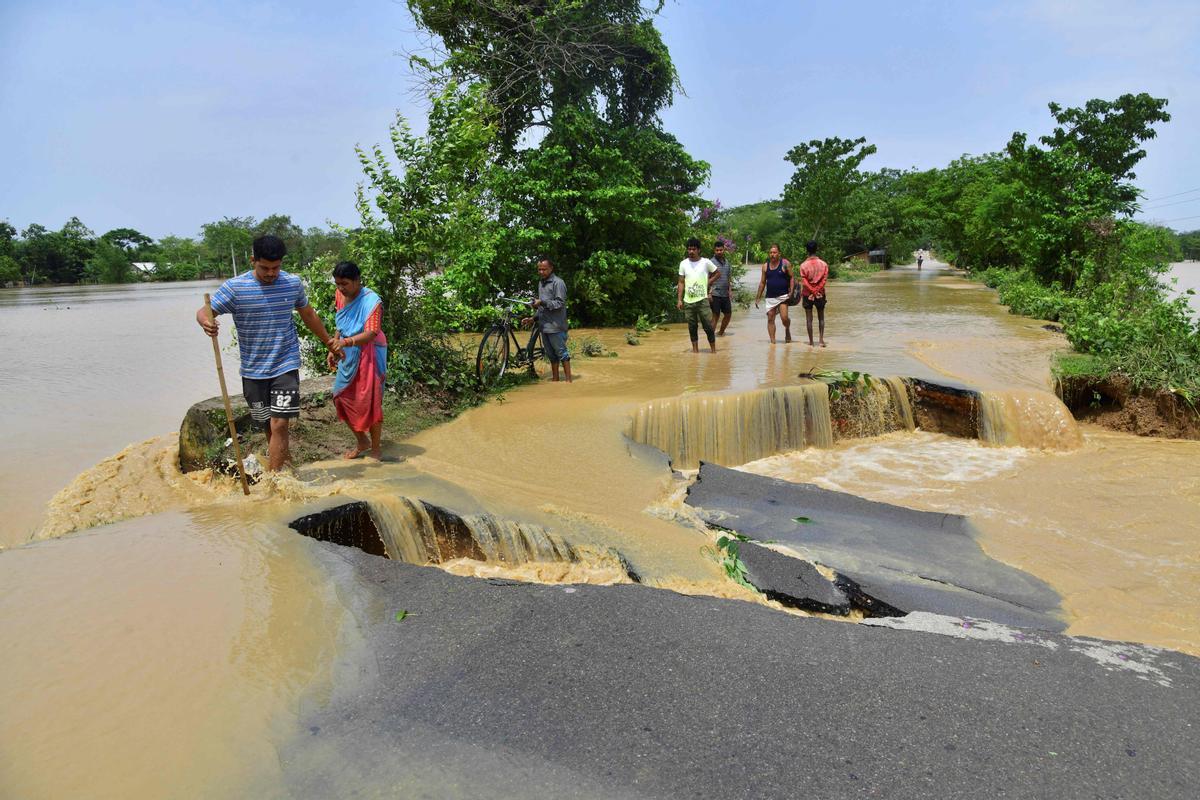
point(853, 270)
point(1078, 365)
point(1119, 327)
point(589, 346)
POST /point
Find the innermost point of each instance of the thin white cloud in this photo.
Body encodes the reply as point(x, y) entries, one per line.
point(1119, 28)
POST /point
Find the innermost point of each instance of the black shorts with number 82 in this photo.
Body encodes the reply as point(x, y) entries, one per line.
point(277, 397)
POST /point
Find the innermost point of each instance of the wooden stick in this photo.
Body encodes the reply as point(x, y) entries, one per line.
point(237, 448)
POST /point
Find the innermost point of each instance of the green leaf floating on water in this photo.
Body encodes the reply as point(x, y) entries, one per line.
point(400, 615)
point(802, 520)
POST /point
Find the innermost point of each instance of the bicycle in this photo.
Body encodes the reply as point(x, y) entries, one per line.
point(500, 345)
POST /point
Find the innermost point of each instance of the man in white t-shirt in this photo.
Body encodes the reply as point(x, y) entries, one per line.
point(696, 277)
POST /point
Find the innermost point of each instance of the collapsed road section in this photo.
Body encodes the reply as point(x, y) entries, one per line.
point(511, 690)
point(889, 560)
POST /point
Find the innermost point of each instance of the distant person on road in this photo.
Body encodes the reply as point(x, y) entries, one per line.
point(776, 283)
point(694, 291)
point(721, 292)
point(551, 317)
point(262, 301)
point(920, 258)
point(361, 362)
point(814, 273)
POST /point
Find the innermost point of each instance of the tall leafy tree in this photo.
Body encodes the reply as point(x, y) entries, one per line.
point(826, 176)
point(129, 240)
point(8, 238)
point(1070, 191)
point(177, 259)
point(76, 245)
point(110, 263)
point(574, 162)
point(281, 225)
point(536, 57)
point(226, 242)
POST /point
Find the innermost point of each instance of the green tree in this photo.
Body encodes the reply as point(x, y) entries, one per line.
point(1105, 136)
point(322, 242)
point(537, 57)
point(8, 238)
point(281, 225)
point(10, 270)
point(1069, 191)
point(177, 259)
point(129, 240)
point(75, 244)
point(1189, 245)
point(227, 242)
point(110, 263)
point(611, 204)
point(605, 192)
point(819, 191)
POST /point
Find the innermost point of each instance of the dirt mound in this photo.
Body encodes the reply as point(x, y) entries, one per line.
point(1114, 403)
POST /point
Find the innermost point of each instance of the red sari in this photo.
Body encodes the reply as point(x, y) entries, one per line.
point(360, 402)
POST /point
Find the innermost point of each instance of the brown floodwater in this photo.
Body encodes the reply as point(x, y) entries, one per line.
point(169, 650)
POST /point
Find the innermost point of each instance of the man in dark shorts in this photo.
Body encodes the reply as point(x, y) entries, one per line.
point(814, 273)
point(551, 317)
point(720, 294)
point(262, 301)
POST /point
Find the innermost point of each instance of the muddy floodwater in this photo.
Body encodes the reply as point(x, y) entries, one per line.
point(166, 632)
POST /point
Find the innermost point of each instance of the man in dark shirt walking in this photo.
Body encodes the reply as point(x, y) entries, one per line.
point(551, 316)
point(721, 293)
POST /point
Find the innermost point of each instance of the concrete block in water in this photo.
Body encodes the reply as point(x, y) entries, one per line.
point(204, 429)
point(792, 581)
point(901, 559)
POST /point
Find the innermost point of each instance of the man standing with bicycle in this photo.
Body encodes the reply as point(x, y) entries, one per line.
point(551, 316)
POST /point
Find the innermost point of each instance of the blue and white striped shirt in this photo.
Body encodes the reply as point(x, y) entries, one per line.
point(262, 313)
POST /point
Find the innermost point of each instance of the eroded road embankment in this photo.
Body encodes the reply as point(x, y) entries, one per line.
point(502, 689)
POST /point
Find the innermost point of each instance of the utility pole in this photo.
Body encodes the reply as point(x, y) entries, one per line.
point(232, 261)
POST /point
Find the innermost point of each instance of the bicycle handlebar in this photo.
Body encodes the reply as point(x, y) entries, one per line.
point(515, 301)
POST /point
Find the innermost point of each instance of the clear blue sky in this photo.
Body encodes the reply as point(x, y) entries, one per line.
point(162, 115)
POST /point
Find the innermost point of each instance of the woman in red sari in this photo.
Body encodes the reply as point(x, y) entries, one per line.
point(362, 365)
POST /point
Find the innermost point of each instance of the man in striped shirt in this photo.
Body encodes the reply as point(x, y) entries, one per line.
point(261, 302)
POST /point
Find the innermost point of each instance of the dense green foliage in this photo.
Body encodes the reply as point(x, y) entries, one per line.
point(1046, 223)
point(1189, 245)
point(543, 140)
point(74, 254)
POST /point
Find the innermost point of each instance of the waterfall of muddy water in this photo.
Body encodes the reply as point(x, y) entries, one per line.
point(1027, 419)
point(898, 393)
point(1113, 526)
point(732, 429)
point(482, 545)
point(162, 656)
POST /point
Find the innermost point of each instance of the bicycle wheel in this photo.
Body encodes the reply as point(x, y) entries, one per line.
point(533, 351)
point(492, 358)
